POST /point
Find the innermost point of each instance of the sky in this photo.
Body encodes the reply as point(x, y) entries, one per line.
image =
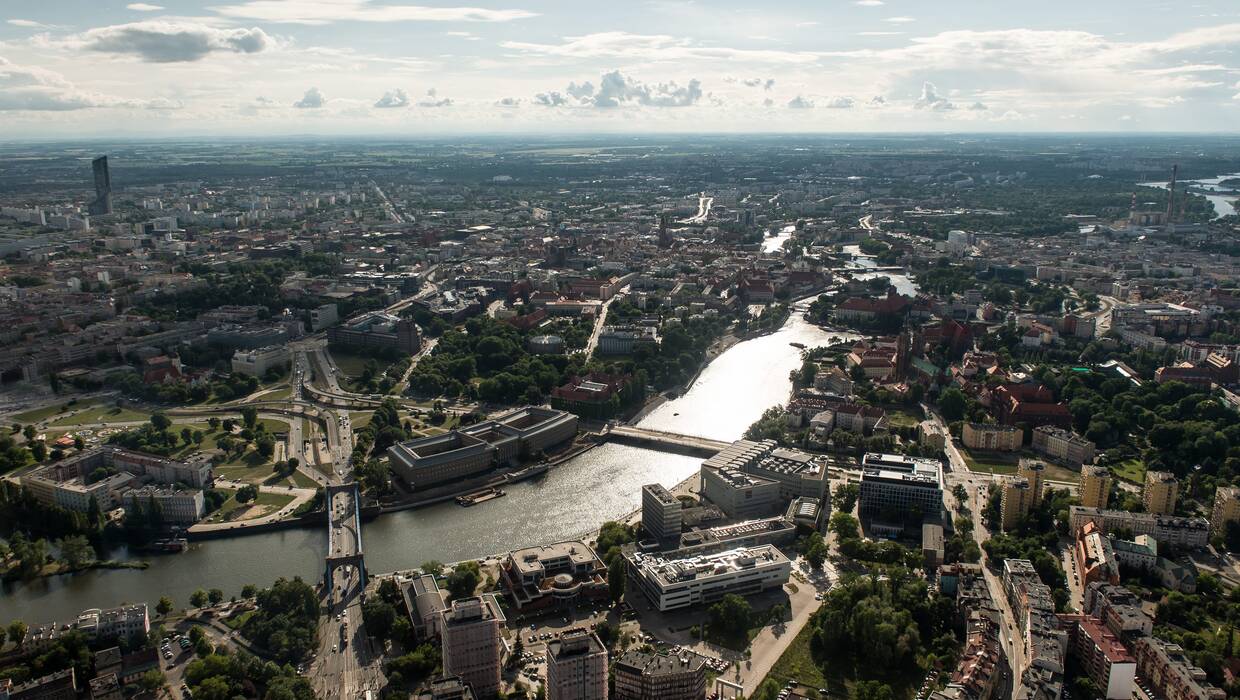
point(170, 68)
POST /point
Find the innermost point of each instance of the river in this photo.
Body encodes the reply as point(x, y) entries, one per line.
point(1224, 204)
point(773, 244)
point(570, 501)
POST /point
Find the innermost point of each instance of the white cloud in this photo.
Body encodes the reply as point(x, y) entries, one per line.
point(158, 41)
point(313, 99)
point(508, 102)
point(900, 20)
point(432, 99)
point(30, 88)
point(800, 102)
point(29, 24)
point(550, 99)
point(880, 33)
point(393, 99)
point(764, 83)
point(327, 11)
point(931, 99)
point(869, 3)
point(840, 103)
point(659, 47)
point(616, 89)
point(143, 7)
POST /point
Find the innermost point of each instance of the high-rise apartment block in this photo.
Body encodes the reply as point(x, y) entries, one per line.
point(472, 645)
point(576, 667)
point(1161, 491)
point(1095, 486)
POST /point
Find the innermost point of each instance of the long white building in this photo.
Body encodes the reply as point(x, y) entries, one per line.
point(671, 582)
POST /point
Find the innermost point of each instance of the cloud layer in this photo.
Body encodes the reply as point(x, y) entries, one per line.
point(159, 41)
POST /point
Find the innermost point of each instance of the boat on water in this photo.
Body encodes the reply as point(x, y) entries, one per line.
point(528, 472)
point(798, 346)
point(166, 545)
point(473, 499)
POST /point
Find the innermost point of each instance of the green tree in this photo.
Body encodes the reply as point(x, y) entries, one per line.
point(164, 606)
point(249, 590)
point(844, 525)
point(246, 493)
point(870, 690)
point(160, 422)
point(77, 551)
point(464, 579)
point(17, 632)
point(215, 596)
point(249, 416)
point(198, 598)
point(845, 497)
point(952, 404)
point(731, 617)
point(378, 616)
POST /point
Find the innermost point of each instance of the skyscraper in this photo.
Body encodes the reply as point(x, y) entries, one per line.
point(103, 188)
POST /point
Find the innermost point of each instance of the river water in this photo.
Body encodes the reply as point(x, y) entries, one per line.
point(1224, 204)
point(570, 501)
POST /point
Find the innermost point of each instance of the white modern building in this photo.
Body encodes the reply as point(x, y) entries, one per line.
point(671, 582)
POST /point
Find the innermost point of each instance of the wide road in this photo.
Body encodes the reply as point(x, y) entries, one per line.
point(346, 666)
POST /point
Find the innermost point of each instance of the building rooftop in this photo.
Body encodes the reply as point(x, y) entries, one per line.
point(671, 570)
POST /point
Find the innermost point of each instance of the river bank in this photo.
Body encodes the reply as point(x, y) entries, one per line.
point(571, 501)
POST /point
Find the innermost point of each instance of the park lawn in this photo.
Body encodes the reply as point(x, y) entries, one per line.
point(38, 415)
point(797, 663)
point(232, 511)
point(899, 418)
point(273, 426)
point(989, 462)
point(102, 414)
point(1130, 470)
point(359, 419)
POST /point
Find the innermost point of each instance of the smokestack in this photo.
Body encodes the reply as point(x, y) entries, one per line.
point(1175, 171)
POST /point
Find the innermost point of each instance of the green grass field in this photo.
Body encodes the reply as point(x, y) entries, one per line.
point(232, 511)
point(39, 415)
point(989, 462)
point(101, 414)
point(1130, 470)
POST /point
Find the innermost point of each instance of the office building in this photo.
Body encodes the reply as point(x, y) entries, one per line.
point(426, 604)
point(68, 483)
point(323, 317)
point(1170, 673)
point(522, 433)
point(798, 473)
point(1095, 486)
point(128, 622)
point(992, 438)
point(472, 643)
point(671, 580)
point(176, 506)
point(257, 362)
point(102, 204)
point(623, 340)
point(1034, 472)
point(898, 490)
point(740, 495)
point(377, 329)
point(1015, 502)
point(650, 676)
point(560, 574)
point(1226, 509)
point(662, 515)
point(1160, 493)
point(1062, 446)
point(576, 666)
point(1188, 533)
